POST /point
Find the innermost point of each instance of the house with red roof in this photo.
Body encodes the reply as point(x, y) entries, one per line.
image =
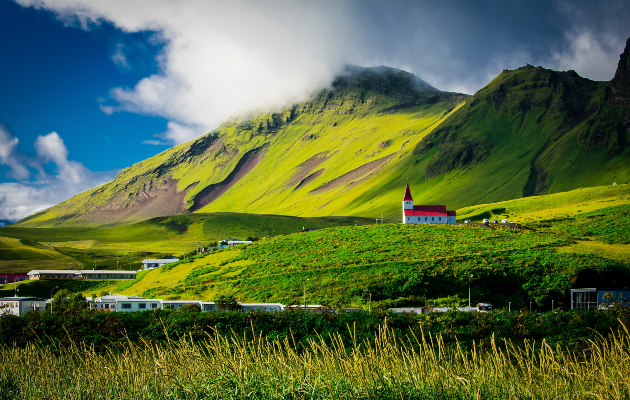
point(425, 214)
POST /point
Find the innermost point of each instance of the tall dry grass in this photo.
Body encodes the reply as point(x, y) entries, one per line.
point(235, 368)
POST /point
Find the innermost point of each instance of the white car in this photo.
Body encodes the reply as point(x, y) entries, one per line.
point(505, 221)
point(486, 221)
point(467, 221)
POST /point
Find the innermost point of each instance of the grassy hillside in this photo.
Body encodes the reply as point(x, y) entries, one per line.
point(351, 148)
point(404, 264)
point(285, 162)
point(552, 206)
point(23, 249)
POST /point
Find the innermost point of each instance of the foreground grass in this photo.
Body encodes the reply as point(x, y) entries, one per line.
point(235, 368)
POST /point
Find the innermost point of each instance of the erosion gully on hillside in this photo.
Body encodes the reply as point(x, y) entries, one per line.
point(244, 166)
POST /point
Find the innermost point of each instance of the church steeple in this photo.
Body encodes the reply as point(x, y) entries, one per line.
point(408, 194)
point(407, 200)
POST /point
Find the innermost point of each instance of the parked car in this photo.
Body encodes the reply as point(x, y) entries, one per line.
point(486, 221)
point(494, 221)
point(467, 221)
point(505, 221)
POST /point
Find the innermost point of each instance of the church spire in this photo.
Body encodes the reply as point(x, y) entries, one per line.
point(408, 194)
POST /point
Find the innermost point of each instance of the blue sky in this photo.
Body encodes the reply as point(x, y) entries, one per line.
point(92, 86)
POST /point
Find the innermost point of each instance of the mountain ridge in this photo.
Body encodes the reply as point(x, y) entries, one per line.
point(351, 147)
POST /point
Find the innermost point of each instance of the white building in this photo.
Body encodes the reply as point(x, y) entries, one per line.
point(19, 305)
point(425, 214)
point(176, 304)
point(157, 263)
point(137, 304)
point(70, 274)
point(247, 307)
point(110, 302)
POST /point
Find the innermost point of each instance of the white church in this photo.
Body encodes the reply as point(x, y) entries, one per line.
point(425, 214)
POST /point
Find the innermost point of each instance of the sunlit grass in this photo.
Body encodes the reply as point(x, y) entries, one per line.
point(254, 367)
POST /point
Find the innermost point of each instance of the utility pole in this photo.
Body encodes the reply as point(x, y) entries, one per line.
point(51, 298)
point(469, 290)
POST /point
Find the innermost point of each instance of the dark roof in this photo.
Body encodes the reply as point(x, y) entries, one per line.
point(21, 299)
point(407, 194)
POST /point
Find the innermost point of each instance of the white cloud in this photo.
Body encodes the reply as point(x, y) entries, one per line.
point(594, 57)
point(119, 57)
point(218, 59)
point(9, 155)
point(222, 58)
point(27, 196)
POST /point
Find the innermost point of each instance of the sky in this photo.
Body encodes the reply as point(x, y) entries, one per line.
point(89, 87)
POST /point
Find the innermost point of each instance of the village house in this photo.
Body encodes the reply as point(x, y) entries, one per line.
point(69, 274)
point(109, 302)
point(248, 307)
point(598, 298)
point(176, 304)
point(425, 214)
point(157, 263)
point(19, 305)
point(12, 278)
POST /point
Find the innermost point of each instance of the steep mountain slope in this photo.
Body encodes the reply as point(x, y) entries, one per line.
point(292, 161)
point(351, 148)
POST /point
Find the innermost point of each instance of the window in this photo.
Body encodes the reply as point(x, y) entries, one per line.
point(142, 306)
point(432, 218)
point(126, 306)
point(440, 218)
point(425, 218)
point(154, 305)
point(106, 305)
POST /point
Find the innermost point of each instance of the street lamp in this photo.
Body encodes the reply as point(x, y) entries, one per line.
point(117, 265)
point(551, 305)
point(129, 263)
point(197, 247)
point(51, 298)
point(510, 306)
point(469, 290)
point(15, 294)
point(530, 306)
point(307, 279)
point(376, 221)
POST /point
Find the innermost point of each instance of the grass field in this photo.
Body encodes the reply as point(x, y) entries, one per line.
point(404, 264)
point(23, 249)
point(386, 368)
point(580, 232)
point(558, 205)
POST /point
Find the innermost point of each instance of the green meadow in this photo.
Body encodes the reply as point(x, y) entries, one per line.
point(23, 249)
point(536, 261)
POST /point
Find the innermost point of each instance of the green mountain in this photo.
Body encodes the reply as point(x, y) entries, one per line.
point(351, 148)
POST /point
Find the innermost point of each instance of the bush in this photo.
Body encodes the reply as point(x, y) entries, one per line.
point(192, 307)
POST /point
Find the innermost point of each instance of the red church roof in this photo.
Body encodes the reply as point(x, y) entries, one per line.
point(407, 194)
point(428, 211)
point(422, 213)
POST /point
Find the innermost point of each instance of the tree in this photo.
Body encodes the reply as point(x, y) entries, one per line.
point(64, 300)
point(227, 302)
point(191, 307)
